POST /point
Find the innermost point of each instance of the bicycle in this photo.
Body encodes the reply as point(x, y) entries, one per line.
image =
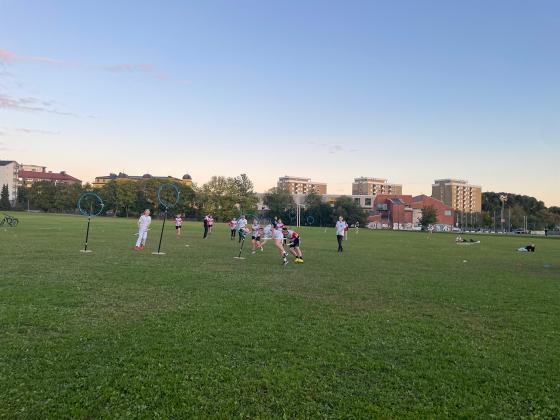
point(9, 220)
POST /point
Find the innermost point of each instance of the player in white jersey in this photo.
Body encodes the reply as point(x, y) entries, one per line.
point(340, 229)
point(256, 236)
point(278, 238)
point(143, 226)
point(241, 223)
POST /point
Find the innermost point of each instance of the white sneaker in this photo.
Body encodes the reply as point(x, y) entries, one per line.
point(285, 262)
point(254, 252)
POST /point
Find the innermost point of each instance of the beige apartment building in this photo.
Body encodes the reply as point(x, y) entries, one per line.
point(374, 186)
point(298, 185)
point(458, 194)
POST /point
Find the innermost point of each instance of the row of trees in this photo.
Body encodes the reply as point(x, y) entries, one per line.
point(223, 197)
point(517, 209)
point(314, 211)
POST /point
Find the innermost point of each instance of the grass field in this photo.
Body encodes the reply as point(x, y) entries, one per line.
point(398, 326)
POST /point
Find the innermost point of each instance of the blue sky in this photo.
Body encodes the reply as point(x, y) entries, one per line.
point(405, 90)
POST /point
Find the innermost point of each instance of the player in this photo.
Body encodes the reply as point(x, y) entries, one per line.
point(357, 225)
point(256, 236)
point(293, 242)
point(210, 224)
point(233, 228)
point(178, 225)
point(241, 223)
point(430, 231)
point(346, 227)
point(340, 227)
point(278, 238)
point(206, 221)
point(144, 223)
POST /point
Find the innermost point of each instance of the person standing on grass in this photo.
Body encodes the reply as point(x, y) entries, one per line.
point(278, 237)
point(357, 225)
point(178, 225)
point(206, 225)
point(233, 228)
point(210, 224)
point(143, 226)
point(340, 228)
point(346, 227)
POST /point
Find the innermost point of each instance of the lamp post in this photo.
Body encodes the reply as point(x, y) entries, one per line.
point(503, 199)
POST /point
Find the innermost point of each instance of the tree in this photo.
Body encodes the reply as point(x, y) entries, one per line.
point(22, 197)
point(320, 211)
point(42, 195)
point(279, 201)
point(429, 216)
point(5, 198)
point(349, 209)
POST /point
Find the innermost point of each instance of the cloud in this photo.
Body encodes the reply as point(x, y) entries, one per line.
point(136, 68)
point(11, 57)
point(29, 104)
point(35, 131)
point(332, 148)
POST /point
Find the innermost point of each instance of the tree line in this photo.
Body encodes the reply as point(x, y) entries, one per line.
point(223, 197)
point(516, 208)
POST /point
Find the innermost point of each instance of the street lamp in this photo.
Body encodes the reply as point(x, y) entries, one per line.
point(503, 199)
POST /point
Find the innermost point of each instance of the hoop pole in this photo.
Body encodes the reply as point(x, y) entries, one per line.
point(241, 247)
point(162, 227)
point(87, 233)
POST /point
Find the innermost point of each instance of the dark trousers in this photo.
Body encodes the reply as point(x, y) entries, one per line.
point(339, 238)
point(232, 233)
point(205, 231)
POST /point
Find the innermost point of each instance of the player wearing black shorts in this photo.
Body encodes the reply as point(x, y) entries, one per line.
point(293, 242)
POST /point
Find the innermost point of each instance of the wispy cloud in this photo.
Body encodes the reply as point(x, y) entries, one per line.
point(332, 148)
point(137, 68)
point(35, 131)
point(11, 57)
point(29, 104)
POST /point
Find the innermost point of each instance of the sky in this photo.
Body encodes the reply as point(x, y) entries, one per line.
point(410, 91)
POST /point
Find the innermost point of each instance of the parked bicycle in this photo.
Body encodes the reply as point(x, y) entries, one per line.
point(9, 221)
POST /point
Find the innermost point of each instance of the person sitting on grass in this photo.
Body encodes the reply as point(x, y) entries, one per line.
point(527, 248)
point(459, 239)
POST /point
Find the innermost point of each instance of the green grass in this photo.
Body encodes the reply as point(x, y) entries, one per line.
point(398, 326)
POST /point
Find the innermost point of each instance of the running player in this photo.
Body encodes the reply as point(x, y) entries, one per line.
point(241, 223)
point(278, 237)
point(178, 224)
point(143, 226)
point(293, 242)
point(256, 236)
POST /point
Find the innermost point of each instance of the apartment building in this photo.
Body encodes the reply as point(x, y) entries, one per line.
point(298, 185)
point(374, 186)
point(39, 173)
point(458, 194)
point(9, 176)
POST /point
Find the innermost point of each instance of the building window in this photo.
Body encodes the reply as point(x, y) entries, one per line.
point(447, 212)
point(368, 202)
